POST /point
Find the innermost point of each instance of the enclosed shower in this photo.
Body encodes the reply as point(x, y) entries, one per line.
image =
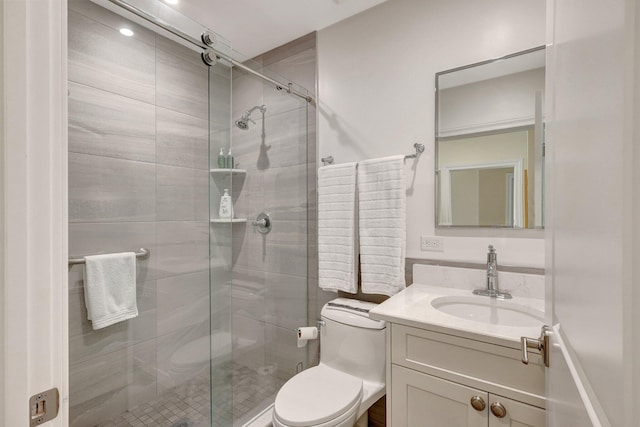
point(154, 97)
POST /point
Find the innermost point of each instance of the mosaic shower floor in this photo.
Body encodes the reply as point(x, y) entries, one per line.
point(188, 405)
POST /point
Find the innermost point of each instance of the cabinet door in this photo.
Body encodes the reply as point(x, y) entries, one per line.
point(517, 414)
point(420, 400)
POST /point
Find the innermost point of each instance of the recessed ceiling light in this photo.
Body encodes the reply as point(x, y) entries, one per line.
point(172, 1)
point(126, 32)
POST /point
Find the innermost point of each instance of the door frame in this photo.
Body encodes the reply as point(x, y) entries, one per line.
point(33, 124)
point(518, 187)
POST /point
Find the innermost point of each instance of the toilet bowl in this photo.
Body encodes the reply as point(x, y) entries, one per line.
point(349, 378)
point(335, 395)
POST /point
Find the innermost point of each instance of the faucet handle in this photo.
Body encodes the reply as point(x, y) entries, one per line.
point(492, 256)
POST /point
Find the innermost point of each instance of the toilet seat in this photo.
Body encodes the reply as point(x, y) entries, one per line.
point(318, 396)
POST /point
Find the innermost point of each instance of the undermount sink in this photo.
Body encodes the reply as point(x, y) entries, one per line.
point(488, 310)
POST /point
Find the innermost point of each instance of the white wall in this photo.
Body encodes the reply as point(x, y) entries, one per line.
point(376, 74)
point(499, 103)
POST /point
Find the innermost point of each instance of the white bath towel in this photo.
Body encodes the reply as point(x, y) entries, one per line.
point(382, 223)
point(338, 270)
point(110, 288)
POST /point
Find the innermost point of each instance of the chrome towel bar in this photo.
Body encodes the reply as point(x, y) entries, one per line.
point(417, 146)
point(142, 253)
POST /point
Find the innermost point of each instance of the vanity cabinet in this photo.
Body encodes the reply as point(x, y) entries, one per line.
point(442, 380)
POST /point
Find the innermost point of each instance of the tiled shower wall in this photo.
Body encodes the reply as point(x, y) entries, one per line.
point(272, 273)
point(138, 177)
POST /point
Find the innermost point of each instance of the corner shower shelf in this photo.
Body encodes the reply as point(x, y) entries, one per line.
point(227, 221)
point(226, 171)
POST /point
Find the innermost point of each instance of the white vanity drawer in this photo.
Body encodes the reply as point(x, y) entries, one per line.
point(494, 368)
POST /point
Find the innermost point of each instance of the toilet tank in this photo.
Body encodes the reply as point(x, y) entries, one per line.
point(351, 342)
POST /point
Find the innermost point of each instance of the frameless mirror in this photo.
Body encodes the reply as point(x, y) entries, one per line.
point(489, 143)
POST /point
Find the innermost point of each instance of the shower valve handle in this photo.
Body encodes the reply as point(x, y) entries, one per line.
point(262, 223)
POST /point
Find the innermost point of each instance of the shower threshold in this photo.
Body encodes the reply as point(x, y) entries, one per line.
point(263, 419)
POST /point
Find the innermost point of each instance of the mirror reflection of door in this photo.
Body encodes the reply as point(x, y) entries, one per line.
point(483, 197)
point(485, 180)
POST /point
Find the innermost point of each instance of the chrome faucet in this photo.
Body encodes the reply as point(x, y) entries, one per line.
point(492, 289)
point(492, 270)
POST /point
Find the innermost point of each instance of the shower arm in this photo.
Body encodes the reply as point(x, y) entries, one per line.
point(262, 109)
point(247, 114)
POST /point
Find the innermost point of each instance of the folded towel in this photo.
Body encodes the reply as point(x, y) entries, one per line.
point(110, 288)
point(336, 228)
point(382, 223)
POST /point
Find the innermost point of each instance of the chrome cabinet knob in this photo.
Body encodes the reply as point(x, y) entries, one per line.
point(478, 403)
point(498, 409)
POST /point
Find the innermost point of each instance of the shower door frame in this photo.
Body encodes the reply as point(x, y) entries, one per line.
point(34, 271)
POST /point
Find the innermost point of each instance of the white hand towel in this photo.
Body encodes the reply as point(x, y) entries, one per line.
point(337, 228)
point(382, 223)
point(110, 288)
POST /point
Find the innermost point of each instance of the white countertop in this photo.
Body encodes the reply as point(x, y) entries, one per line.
point(412, 307)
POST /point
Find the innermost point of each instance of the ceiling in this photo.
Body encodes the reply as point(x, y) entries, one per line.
point(257, 26)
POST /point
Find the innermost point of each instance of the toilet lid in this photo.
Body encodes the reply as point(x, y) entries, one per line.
point(317, 395)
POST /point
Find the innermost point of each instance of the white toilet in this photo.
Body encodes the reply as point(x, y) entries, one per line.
point(350, 376)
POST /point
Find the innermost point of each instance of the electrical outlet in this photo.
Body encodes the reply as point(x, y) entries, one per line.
point(431, 243)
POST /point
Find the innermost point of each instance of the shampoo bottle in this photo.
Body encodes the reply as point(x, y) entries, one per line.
point(221, 159)
point(226, 208)
point(230, 160)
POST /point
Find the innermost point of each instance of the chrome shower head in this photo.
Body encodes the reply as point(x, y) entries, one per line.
point(243, 122)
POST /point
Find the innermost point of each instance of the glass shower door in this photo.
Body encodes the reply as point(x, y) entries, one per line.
point(269, 296)
point(140, 125)
point(222, 179)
